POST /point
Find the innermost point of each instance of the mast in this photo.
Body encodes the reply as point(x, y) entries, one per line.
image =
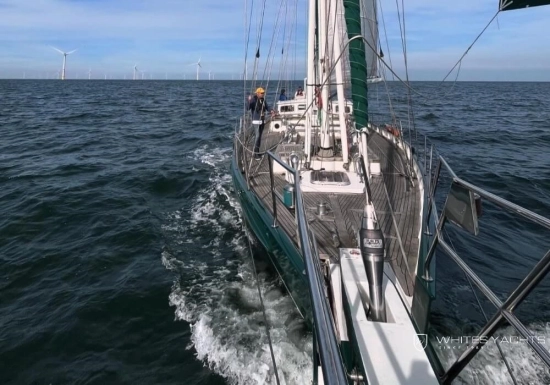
point(337, 49)
point(358, 66)
point(323, 67)
point(309, 89)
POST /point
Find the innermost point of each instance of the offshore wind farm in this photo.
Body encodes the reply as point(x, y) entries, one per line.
point(166, 37)
point(136, 72)
point(77, 68)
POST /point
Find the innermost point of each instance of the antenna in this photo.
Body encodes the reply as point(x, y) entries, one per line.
point(65, 54)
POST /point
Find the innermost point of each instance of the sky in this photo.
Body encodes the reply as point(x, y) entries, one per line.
point(166, 38)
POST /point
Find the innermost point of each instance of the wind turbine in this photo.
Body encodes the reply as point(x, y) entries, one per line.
point(198, 64)
point(64, 60)
point(135, 71)
point(89, 74)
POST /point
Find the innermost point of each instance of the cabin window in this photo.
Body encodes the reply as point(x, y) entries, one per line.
point(286, 108)
point(301, 107)
point(346, 108)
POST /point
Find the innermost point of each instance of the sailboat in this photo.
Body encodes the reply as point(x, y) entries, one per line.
point(345, 207)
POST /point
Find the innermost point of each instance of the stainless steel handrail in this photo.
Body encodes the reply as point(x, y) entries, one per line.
point(504, 309)
point(334, 372)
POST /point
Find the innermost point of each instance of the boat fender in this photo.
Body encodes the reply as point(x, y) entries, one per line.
point(392, 130)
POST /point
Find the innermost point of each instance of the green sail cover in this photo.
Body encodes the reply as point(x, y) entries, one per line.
point(358, 66)
point(517, 4)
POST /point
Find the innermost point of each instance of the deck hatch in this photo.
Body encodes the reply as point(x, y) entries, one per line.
point(337, 178)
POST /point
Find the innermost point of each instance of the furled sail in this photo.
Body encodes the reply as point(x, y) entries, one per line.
point(359, 59)
point(358, 65)
point(369, 30)
point(509, 5)
point(340, 35)
point(369, 27)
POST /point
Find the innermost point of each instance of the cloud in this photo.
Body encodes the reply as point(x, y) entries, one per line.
point(167, 36)
point(439, 32)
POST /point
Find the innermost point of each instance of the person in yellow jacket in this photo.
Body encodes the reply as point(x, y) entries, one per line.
point(258, 105)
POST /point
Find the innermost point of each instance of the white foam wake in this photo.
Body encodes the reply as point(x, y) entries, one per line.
point(488, 366)
point(216, 289)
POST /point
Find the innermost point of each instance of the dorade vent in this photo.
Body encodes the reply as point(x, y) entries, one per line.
point(336, 178)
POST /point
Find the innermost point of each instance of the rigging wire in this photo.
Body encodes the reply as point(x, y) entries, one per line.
point(385, 34)
point(284, 55)
point(271, 52)
point(247, 43)
point(471, 45)
point(458, 64)
point(485, 316)
point(258, 43)
point(405, 82)
point(275, 370)
point(383, 69)
point(272, 47)
point(410, 112)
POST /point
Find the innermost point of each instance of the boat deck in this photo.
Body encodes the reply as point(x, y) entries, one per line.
point(396, 201)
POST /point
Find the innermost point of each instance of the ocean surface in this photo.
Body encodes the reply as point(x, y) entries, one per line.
point(124, 258)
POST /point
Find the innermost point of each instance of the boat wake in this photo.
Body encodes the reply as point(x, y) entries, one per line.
point(216, 293)
point(488, 366)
